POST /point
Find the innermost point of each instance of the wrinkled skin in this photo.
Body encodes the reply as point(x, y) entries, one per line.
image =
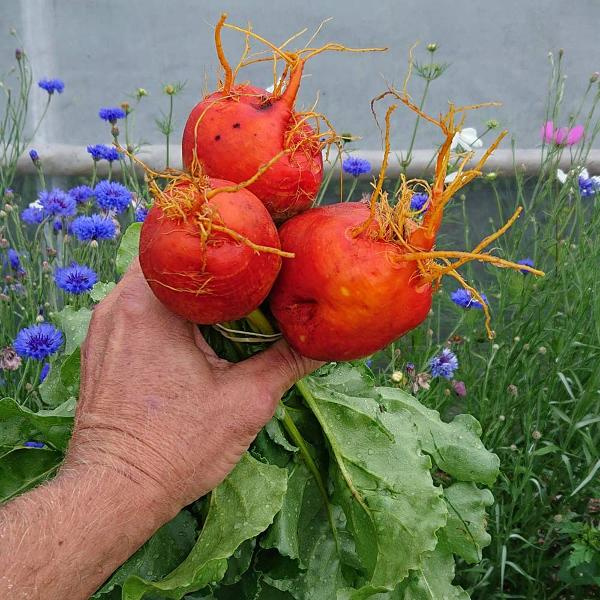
point(344, 297)
point(234, 135)
point(222, 280)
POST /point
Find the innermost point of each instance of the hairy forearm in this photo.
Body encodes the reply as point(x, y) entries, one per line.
point(63, 539)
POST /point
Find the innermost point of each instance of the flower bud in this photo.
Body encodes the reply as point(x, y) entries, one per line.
point(4, 243)
point(492, 176)
point(8, 207)
point(432, 47)
point(536, 435)
point(594, 77)
point(4, 297)
point(397, 376)
point(125, 107)
point(39, 319)
point(2, 214)
point(169, 89)
point(492, 124)
point(18, 54)
point(94, 244)
point(140, 93)
point(114, 131)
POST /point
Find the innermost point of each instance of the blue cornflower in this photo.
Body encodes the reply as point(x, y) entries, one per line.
point(44, 372)
point(111, 114)
point(33, 444)
point(52, 85)
point(111, 195)
point(57, 225)
point(57, 203)
point(356, 166)
point(75, 279)
point(464, 298)
point(141, 212)
point(586, 186)
point(94, 227)
point(444, 364)
point(102, 152)
point(38, 341)
point(527, 262)
point(33, 154)
point(81, 193)
point(14, 260)
point(32, 215)
point(417, 202)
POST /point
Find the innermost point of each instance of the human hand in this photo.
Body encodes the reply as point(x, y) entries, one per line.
point(158, 406)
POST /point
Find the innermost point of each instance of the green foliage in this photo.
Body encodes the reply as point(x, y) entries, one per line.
point(19, 424)
point(101, 290)
point(465, 533)
point(240, 508)
point(128, 248)
point(24, 468)
point(166, 549)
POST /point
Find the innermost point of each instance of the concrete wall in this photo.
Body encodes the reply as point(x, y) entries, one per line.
point(105, 49)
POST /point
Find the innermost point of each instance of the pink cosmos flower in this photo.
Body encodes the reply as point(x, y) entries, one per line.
point(562, 136)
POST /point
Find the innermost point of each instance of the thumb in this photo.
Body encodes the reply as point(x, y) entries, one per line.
point(277, 368)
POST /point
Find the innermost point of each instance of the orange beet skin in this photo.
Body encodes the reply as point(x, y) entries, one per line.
point(233, 134)
point(222, 279)
point(344, 297)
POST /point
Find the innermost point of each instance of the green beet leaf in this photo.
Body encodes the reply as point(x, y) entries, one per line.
point(74, 324)
point(129, 247)
point(381, 478)
point(284, 533)
point(321, 575)
point(239, 562)
point(18, 424)
point(465, 533)
point(240, 508)
point(24, 468)
point(433, 581)
point(101, 289)
point(455, 447)
point(167, 548)
point(62, 383)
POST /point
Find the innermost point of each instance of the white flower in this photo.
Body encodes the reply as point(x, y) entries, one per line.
point(466, 140)
point(37, 204)
point(561, 175)
point(577, 172)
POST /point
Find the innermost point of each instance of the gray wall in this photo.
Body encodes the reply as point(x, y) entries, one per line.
point(105, 49)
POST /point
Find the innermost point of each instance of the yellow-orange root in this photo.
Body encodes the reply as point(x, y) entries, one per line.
point(415, 230)
point(180, 204)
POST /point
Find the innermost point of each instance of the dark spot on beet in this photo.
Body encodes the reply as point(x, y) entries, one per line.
point(217, 137)
point(264, 105)
point(236, 125)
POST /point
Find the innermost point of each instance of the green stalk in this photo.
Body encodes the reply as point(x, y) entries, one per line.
point(352, 188)
point(297, 438)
